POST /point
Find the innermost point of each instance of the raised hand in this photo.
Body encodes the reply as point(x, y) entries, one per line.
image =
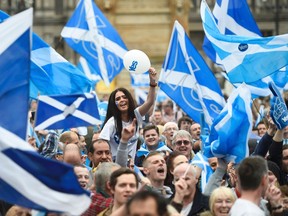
point(278, 110)
point(128, 131)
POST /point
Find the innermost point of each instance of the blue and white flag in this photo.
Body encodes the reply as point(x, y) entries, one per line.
point(140, 80)
point(140, 95)
point(41, 183)
point(50, 73)
point(89, 71)
point(67, 111)
point(245, 59)
point(15, 37)
point(90, 34)
point(231, 129)
point(201, 161)
point(233, 17)
point(187, 80)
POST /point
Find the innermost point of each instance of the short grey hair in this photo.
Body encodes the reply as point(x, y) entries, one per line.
point(103, 173)
point(182, 133)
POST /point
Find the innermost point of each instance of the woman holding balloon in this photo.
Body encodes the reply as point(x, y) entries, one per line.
point(121, 110)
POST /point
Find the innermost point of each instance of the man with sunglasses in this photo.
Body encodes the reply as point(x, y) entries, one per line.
point(182, 142)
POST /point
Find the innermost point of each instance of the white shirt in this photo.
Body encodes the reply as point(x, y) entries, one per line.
point(109, 133)
point(244, 207)
point(185, 210)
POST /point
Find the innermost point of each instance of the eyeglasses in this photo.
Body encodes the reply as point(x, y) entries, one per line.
point(171, 129)
point(185, 142)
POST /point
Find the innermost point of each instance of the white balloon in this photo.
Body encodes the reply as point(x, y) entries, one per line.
point(136, 61)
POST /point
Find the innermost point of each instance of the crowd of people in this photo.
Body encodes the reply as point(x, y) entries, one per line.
point(135, 167)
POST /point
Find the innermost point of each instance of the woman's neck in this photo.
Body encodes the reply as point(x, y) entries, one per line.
point(125, 117)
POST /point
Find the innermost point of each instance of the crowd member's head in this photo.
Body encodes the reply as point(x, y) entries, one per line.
point(145, 203)
point(274, 173)
point(261, 129)
point(189, 172)
point(82, 174)
point(123, 184)
point(253, 175)
point(102, 176)
point(120, 104)
point(155, 169)
point(99, 151)
point(95, 135)
point(69, 137)
point(221, 201)
point(157, 117)
point(174, 159)
point(72, 154)
point(169, 129)
point(285, 159)
point(184, 123)
point(182, 142)
point(195, 131)
point(213, 162)
point(151, 136)
point(167, 107)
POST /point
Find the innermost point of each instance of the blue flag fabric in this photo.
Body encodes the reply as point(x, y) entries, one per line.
point(50, 73)
point(140, 95)
point(201, 161)
point(140, 80)
point(187, 80)
point(90, 34)
point(66, 111)
point(246, 59)
point(143, 150)
point(15, 37)
point(233, 17)
point(42, 184)
point(89, 71)
point(231, 129)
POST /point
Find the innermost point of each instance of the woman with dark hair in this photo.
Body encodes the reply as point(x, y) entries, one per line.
point(120, 113)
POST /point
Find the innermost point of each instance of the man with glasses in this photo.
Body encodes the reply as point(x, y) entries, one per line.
point(182, 142)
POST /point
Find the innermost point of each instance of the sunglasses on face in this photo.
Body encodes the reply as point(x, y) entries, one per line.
point(185, 142)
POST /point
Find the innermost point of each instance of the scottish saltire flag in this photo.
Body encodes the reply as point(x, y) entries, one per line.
point(246, 59)
point(231, 129)
point(140, 80)
point(89, 71)
point(51, 74)
point(66, 111)
point(54, 75)
point(260, 115)
point(140, 95)
point(15, 37)
point(90, 34)
point(187, 80)
point(42, 183)
point(201, 161)
point(233, 17)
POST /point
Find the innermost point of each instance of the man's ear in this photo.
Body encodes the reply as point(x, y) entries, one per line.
point(90, 156)
point(109, 188)
point(146, 170)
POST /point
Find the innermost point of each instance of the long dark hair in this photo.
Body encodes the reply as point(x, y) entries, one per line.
point(112, 110)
